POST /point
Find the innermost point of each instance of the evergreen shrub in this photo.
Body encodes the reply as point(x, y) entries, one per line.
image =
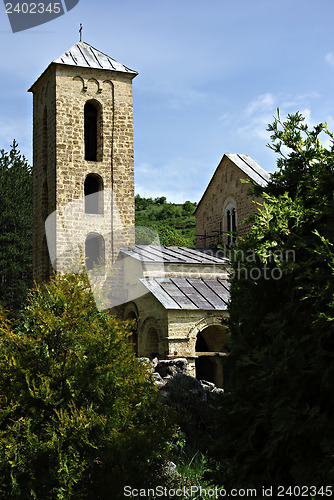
point(79, 414)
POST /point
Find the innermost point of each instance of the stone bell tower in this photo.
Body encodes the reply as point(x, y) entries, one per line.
point(83, 160)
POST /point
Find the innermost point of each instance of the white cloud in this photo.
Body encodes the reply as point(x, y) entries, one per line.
point(330, 58)
point(179, 179)
point(254, 120)
point(263, 103)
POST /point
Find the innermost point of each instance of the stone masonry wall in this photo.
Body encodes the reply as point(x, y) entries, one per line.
point(44, 174)
point(225, 187)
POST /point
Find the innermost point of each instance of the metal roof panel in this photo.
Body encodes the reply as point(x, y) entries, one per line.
point(84, 55)
point(189, 293)
point(250, 167)
point(176, 255)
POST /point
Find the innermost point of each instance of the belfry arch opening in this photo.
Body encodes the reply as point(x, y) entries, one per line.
point(93, 189)
point(211, 351)
point(95, 253)
point(93, 122)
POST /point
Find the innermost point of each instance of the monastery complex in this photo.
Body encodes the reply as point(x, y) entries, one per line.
point(83, 173)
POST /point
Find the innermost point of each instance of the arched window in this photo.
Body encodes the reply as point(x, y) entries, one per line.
point(231, 223)
point(95, 253)
point(93, 194)
point(92, 113)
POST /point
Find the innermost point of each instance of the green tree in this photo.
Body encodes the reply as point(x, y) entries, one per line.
point(16, 228)
point(188, 208)
point(79, 415)
point(169, 236)
point(160, 200)
point(168, 212)
point(278, 418)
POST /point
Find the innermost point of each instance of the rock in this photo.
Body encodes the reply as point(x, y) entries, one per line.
point(181, 386)
point(207, 385)
point(211, 387)
point(170, 469)
point(171, 367)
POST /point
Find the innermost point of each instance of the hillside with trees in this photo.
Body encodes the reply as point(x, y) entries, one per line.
point(174, 223)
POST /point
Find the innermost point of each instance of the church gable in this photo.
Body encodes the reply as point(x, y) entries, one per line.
point(226, 203)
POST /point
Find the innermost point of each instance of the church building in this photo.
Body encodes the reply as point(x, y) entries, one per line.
point(83, 175)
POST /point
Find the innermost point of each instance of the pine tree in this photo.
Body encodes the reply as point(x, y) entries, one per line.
point(16, 228)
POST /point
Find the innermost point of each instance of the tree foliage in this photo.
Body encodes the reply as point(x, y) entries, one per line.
point(16, 228)
point(278, 418)
point(79, 415)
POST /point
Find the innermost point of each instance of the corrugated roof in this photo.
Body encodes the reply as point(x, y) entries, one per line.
point(189, 293)
point(176, 255)
point(84, 55)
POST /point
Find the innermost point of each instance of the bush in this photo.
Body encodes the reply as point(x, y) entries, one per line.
point(79, 416)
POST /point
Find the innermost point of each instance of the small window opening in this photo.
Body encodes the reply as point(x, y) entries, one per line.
point(93, 194)
point(231, 225)
point(90, 132)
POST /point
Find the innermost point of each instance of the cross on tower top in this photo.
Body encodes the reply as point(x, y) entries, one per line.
point(80, 31)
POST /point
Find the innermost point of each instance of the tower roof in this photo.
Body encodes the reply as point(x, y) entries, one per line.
point(85, 56)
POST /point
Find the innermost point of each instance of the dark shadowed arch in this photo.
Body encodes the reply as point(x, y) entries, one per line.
point(93, 123)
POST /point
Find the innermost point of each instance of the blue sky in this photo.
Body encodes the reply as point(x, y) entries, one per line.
point(211, 75)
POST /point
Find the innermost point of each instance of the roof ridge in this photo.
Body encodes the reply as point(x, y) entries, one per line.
point(241, 156)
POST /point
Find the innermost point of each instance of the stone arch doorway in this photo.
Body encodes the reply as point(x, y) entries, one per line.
point(149, 339)
point(152, 342)
point(204, 365)
point(210, 351)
